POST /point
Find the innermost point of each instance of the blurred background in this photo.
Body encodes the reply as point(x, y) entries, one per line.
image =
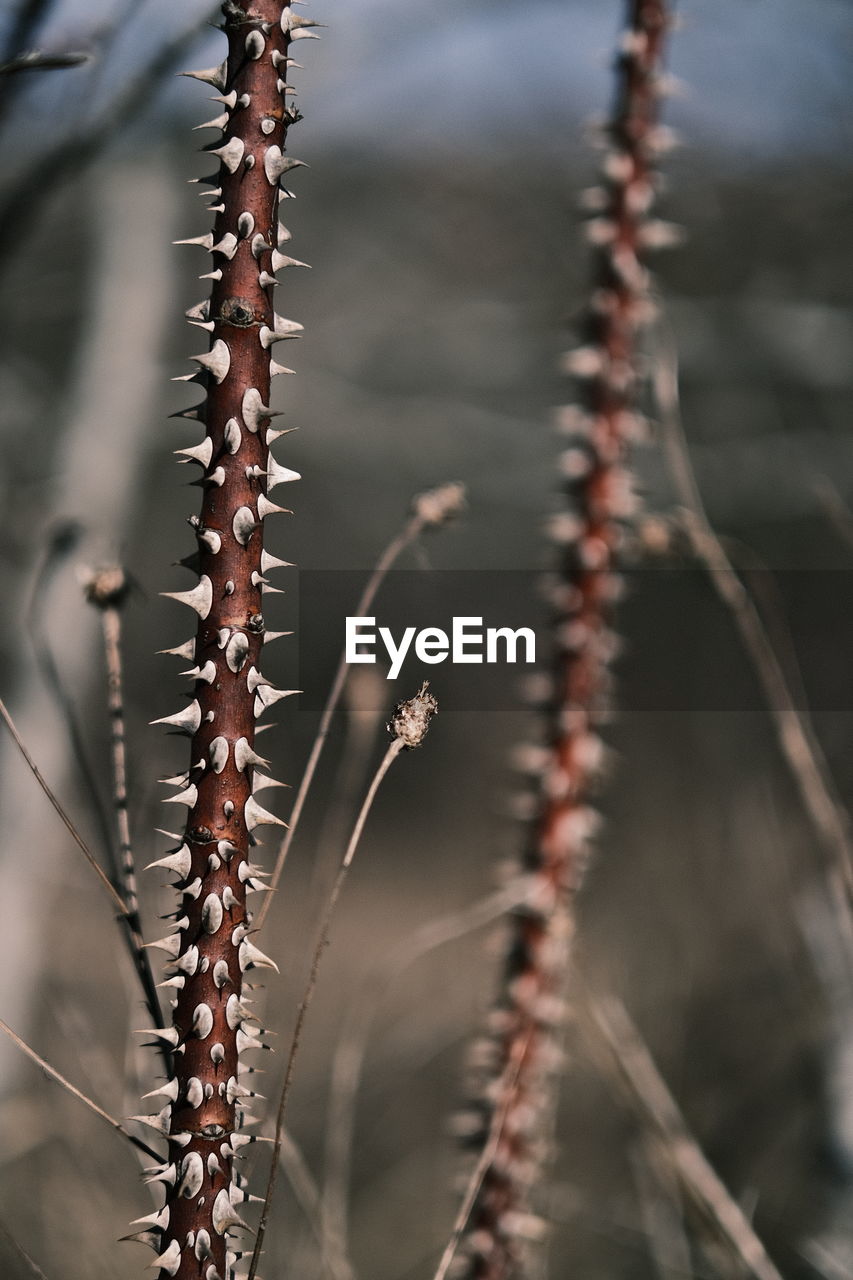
point(447, 148)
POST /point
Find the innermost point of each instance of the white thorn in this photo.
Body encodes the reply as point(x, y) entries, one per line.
point(243, 755)
point(224, 1214)
point(267, 696)
point(202, 1021)
point(204, 242)
point(231, 154)
point(218, 751)
point(188, 797)
point(244, 524)
point(227, 246)
point(186, 650)
point(255, 816)
point(232, 436)
point(236, 652)
point(170, 1259)
point(281, 329)
point(211, 913)
point(187, 720)
point(198, 453)
point(217, 361)
point(200, 598)
point(276, 474)
point(179, 862)
point(255, 45)
point(168, 1090)
point(251, 958)
point(267, 508)
point(218, 122)
point(254, 409)
point(276, 164)
point(192, 1176)
point(214, 76)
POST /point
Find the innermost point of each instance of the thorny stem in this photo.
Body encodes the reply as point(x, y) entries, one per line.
point(430, 509)
point(211, 948)
point(66, 821)
point(72, 1089)
point(505, 1091)
point(355, 1035)
point(598, 488)
point(409, 726)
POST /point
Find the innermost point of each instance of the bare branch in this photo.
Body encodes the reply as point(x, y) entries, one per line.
point(75, 1092)
point(68, 824)
point(649, 1095)
point(429, 510)
point(408, 726)
point(795, 734)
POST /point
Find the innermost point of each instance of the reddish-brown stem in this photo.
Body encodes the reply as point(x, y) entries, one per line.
point(525, 1024)
point(206, 1099)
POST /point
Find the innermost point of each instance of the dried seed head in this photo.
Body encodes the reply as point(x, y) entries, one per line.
point(411, 719)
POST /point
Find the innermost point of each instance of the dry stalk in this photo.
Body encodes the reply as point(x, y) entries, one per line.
point(795, 735)
point(588, 532)
point(408, 728)
point(650, 1097)
point(206, 1101)
point(430, 510)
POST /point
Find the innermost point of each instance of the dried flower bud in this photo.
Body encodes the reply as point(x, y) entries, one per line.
point(436, 506)
point(411, 719)
point(107, 587)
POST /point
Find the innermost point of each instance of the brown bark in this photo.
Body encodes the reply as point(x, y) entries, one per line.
point(211, 1024)
point(599, 500)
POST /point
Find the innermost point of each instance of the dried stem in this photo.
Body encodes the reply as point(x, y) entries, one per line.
point(107, 590)
point(430, 510)
point(32, 1267)
point(66, 821)
point(75, 1092)
point(355, 1035)
point(795, 734)
point(505, 1098)
point(599, 493)
point(651, 1098)
point(206, 1103)
point(409, 727)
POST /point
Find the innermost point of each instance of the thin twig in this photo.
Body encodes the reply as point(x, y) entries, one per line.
point(413, 527)
point(307, 1195)
point(72, 1089)
point(36, 60)
point(69, 825)
point(835, 509)
point(107, 589)
point(62, 539)
point(650, 1095)
point(351, 1048)
point(794, 732)
point(72, 152)
point(506, 1091)
point(388, 759)
point(408, 726)
point(33, 1267)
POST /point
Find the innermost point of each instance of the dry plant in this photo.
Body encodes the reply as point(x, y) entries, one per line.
point(198, 1232)
point(514, 1066)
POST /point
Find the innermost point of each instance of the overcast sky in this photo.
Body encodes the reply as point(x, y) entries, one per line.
point(761, 76)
